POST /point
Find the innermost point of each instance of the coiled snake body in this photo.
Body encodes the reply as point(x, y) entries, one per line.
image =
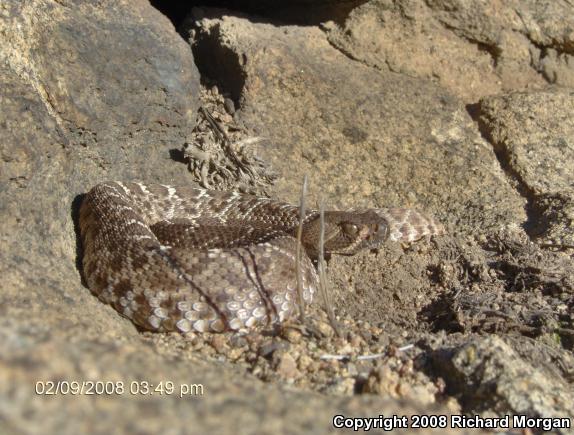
point(183, 258)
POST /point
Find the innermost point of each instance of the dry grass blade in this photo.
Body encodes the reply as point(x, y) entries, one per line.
point(298, 252)
point(217, 128)
point(323, 287)
point(364, 357)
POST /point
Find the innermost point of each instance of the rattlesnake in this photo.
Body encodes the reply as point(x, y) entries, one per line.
point(184, 258)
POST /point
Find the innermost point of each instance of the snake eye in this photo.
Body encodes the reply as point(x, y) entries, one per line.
point(350, 229)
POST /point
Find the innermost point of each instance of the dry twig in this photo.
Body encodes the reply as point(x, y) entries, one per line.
point(323, 287)
point(298, 252)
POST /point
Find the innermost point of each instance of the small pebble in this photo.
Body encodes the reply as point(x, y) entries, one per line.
point(325, 329)
point(352, 369)
point(218, 342)
point(269, 348)
point(287, 367)
point(293, 336)
point(229, 106)
point(304, 362)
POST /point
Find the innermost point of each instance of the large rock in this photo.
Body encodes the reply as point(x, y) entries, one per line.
point(489, 374)
point(473, 48)
point(533, 133)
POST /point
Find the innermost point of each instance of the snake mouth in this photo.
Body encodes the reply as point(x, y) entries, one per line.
point(351, 237)
point(374, 235)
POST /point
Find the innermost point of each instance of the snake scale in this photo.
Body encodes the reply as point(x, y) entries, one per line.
point(191, 259)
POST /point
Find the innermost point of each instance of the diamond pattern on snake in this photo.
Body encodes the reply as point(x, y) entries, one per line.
point(190, 259)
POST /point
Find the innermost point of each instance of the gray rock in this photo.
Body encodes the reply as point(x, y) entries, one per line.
point(491, 376)
point(534, 135)
point(472, 48)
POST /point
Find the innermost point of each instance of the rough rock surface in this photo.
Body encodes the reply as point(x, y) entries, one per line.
point(533, 133)
point(109, 90)
point(489, 375)
point(360, 145)
point(472, 48)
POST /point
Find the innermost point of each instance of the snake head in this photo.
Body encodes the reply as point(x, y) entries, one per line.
point(345, 232)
